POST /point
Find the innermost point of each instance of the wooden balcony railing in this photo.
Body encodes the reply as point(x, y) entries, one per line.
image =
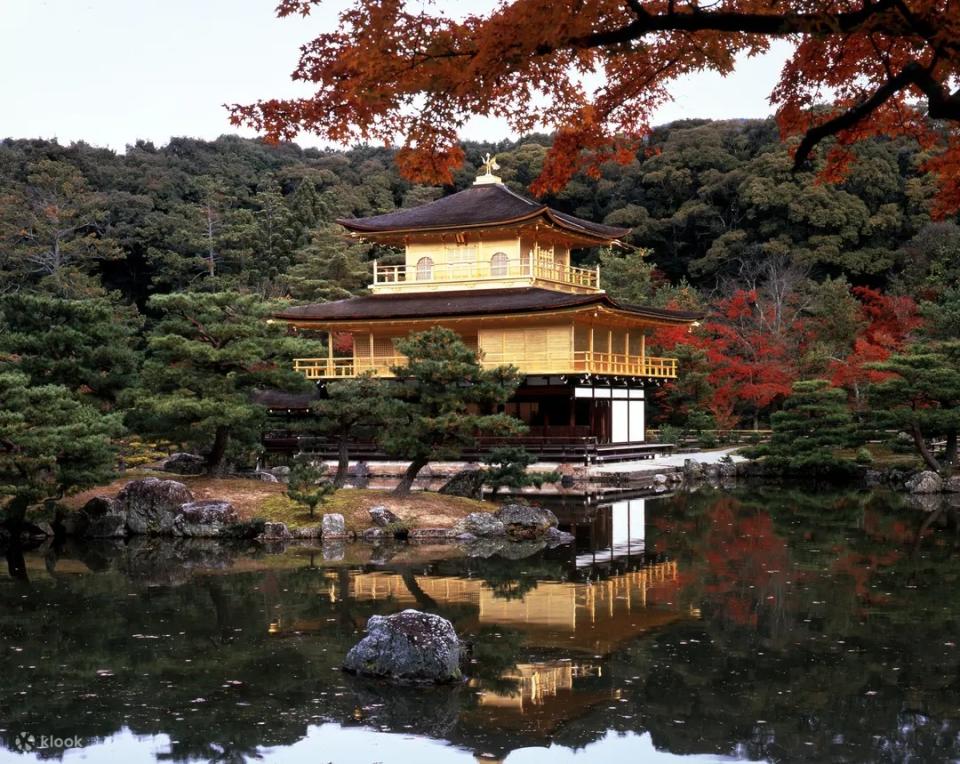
point(339, 368)
point(534, 267)
point(581, 362)
point(625, 365)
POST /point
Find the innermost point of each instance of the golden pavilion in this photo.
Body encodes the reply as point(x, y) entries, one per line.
point(496, 268)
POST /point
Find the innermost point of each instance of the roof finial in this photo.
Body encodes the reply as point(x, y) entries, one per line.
point(489, 165)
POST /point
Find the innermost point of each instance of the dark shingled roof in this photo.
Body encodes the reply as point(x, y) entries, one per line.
point(474, 302)
point(488, 204)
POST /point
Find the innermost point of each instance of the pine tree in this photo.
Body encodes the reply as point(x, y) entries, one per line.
point(308, 484)
point(921, 396)
point(508, 467)
point(330, 267)
point(443, 396)
point(50, 444)
point(88, 346)
point(207, 355)
point(814, 423)
point(51, 232)
point(276, 237)
point(352, 406)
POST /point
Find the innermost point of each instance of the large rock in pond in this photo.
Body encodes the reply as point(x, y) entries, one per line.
point(152, 505)
point(953, 484)
point(204, 519)
point(481, 525)
point(409, 647)
point(925, 482)
point(466, 483)
point(102, 517)
point(525, 523)
point(382, 517)
point(184, 464)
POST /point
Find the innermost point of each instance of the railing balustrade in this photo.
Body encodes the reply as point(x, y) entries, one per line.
point(536, 266)
point(580, 362)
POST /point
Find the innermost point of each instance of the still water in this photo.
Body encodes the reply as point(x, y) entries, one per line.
point(774, 626)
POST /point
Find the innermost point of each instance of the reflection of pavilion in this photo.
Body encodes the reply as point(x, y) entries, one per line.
point(539, 682)
point(590, 616)
point(620, 533)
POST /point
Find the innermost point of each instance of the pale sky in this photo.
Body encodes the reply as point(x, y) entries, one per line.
point(111, 72)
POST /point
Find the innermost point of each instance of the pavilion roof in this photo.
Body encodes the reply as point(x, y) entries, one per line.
point(485, 205)
point(474, 302)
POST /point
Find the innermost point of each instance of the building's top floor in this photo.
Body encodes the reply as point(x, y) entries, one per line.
point(486, 236)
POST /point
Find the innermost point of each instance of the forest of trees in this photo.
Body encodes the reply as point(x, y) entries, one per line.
point(136, 285)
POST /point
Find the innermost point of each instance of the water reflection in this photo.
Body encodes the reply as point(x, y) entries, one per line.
point(766, 625)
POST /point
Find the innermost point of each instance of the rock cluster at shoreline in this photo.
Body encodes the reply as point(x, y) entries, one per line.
point(167, 508)
point(155, 507)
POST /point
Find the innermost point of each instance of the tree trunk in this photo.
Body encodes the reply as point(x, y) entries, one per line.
point(219, 450)
point(406, 482)
point(15, 514)
point(921, 445)
point(343, 461)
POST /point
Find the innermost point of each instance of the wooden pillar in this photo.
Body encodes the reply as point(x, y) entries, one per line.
point(609, 367)
point(330, 352)
point(372, 360)
point(590, 354)
point(643, 353)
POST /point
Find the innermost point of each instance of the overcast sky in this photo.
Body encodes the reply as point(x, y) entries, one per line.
point(111, 72)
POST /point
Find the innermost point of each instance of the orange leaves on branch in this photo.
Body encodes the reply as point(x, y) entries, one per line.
point(595, 72)
point(888, 322)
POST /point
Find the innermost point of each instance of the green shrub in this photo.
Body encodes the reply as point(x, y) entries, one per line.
point(669, 434)
point(864, 456)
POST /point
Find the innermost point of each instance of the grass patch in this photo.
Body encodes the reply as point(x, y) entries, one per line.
point(882, 457)
point(421, 509)
point(267, 501)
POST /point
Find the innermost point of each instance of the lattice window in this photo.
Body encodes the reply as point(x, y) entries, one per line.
point(425, 269)
point(499, 264)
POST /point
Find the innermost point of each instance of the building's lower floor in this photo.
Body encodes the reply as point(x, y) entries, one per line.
point(584, 419)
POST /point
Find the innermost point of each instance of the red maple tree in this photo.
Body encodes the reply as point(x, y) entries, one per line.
point(888, 321)
point(752, 354)
point(393, 72)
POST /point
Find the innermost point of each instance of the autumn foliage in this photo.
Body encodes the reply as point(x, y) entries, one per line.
point(888, 321)
point(751, 351)
point(594, 73)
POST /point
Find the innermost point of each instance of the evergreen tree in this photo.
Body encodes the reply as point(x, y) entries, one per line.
point(52, 232)
point(207, 355)
point(331, 267)
point(921, 396)
point(814, 423)
point(88, 346)
point(352, 407)
point(308, 208)
point(277, 234)
point(443, 400)
point(50, 444)
point(308, 484)
point(629, 277)
point(508, 467)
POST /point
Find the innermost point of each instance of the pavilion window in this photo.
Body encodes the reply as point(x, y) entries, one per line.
point(425, 269)
point(499, 264)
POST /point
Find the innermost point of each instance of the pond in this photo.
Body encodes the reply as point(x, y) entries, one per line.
point(760, 625)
